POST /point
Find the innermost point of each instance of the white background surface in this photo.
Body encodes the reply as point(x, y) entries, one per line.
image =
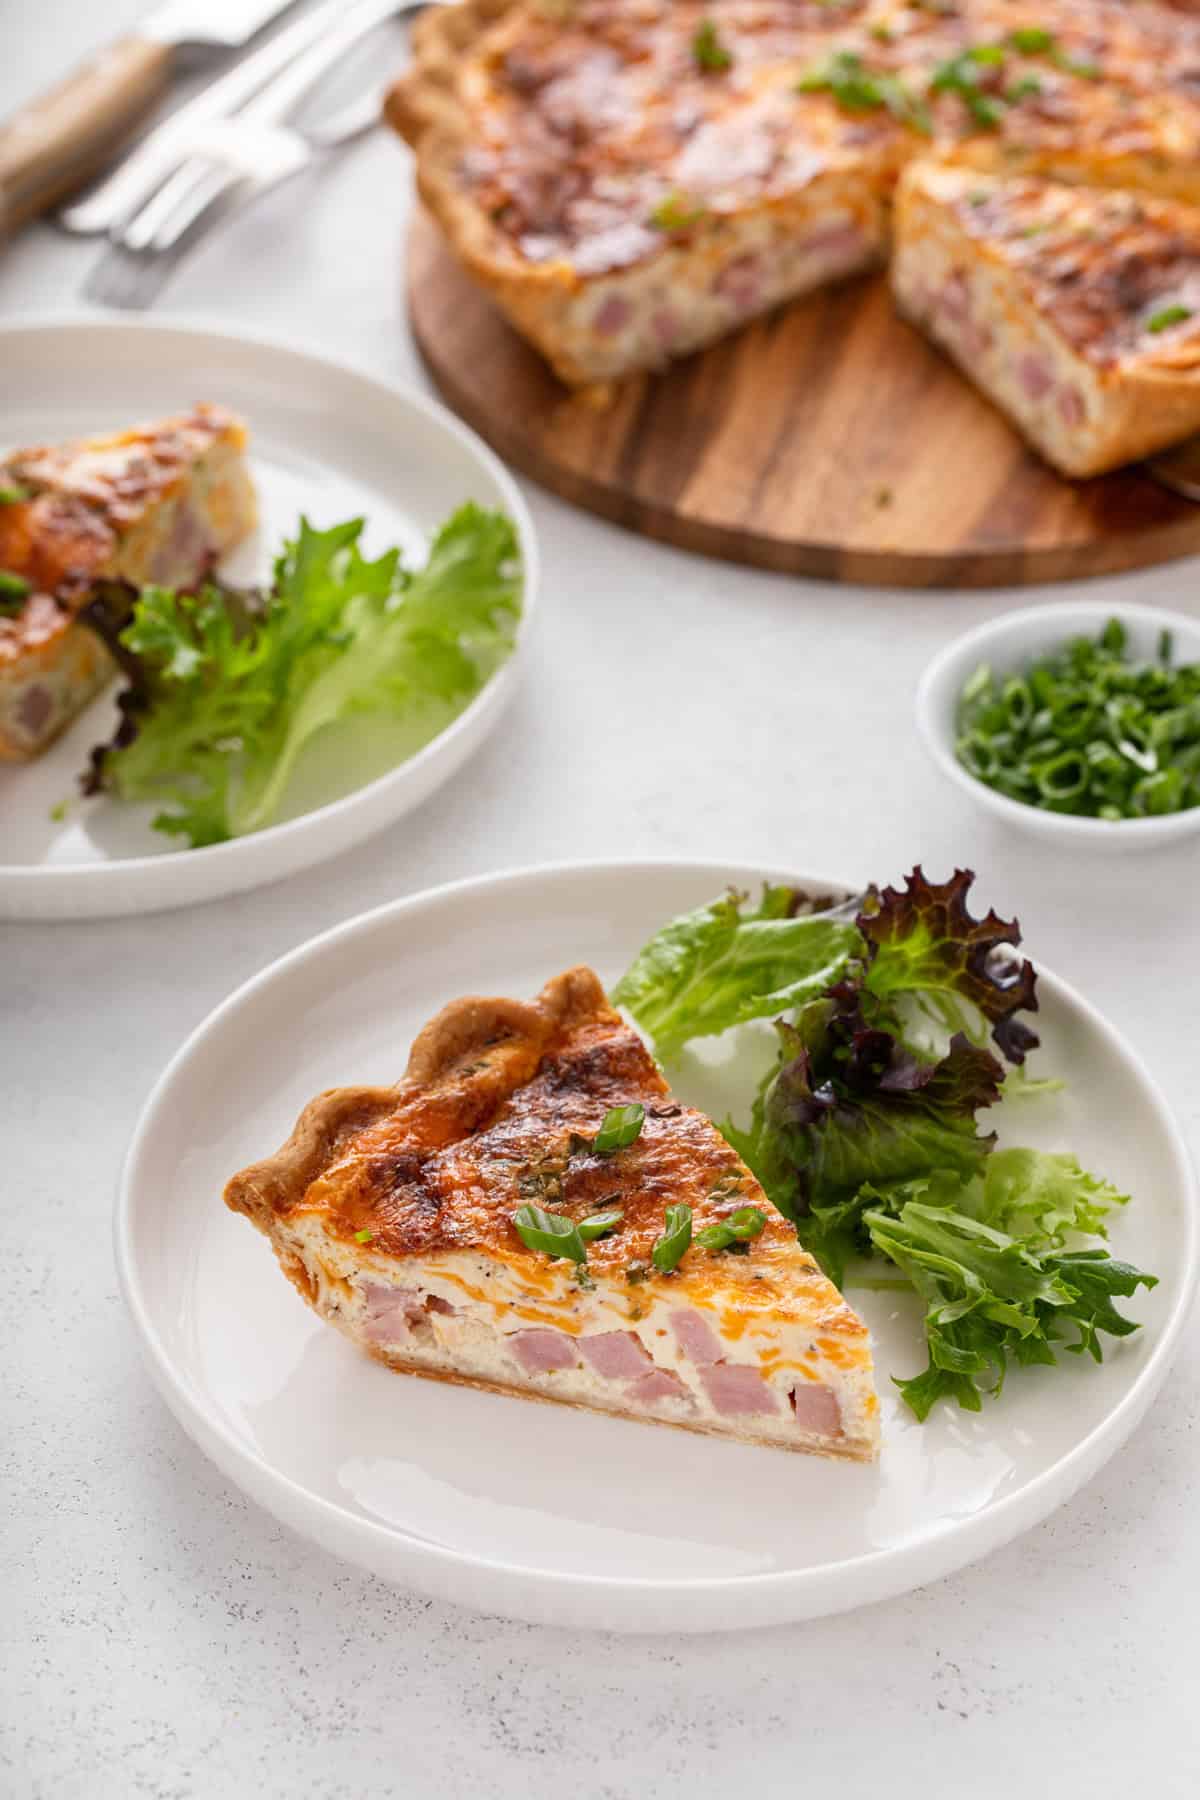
point(163, 1638)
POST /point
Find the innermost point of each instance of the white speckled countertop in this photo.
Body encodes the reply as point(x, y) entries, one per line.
point(165, 1640)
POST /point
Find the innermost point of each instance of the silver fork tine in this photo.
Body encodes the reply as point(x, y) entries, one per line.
point(132, 280)
point(199, 174)
point(121, 279)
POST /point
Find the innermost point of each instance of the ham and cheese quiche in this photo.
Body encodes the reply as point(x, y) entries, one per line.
point(396, 1212)
point(632, 179)
point(160, 503)
point(1076, 310)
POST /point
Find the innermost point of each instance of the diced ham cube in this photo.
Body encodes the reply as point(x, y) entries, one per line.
point(1035, 375)
point(618, 1355)
point(391, 1313)
point(1071, 406)
point(835, 243)
point(540, 1351)
point(612, 315)
point(956, 298)
point(34, 709)
point(736, 1389)
point(740, 282)
point(665, 325)
point(816, 1409)
point(656, 1385)
point(696, 1337)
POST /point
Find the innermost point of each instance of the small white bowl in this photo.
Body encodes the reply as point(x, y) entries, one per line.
point(1009, 645)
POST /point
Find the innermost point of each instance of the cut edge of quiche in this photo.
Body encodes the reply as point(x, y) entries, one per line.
point(392, 1209)
point(1075, 310)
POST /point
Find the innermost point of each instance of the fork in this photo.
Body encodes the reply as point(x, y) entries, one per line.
point(223, 163)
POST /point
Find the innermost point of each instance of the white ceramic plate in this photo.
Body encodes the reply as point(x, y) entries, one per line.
point(326, 439)
point(555, 1514)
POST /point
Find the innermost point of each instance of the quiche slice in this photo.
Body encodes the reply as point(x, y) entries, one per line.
point(1076, 310)
point(394, 1211)
point(159, 503)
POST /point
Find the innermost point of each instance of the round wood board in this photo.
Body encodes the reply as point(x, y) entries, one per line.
point(827, 439)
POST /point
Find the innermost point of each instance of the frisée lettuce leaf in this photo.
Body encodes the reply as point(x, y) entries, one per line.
point(225, 697)
point(991, 1296)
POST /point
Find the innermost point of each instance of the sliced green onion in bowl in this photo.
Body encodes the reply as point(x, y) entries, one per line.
point(1088, 728)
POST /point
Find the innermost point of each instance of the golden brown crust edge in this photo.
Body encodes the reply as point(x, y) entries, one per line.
point(269, 1189)
point(425, 95)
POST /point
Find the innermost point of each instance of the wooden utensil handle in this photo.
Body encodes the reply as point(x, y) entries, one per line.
point(62, 138)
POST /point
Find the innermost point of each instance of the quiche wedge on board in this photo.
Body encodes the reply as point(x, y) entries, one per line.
point(159, 503)
point(394, 1212)
point(1077, 310)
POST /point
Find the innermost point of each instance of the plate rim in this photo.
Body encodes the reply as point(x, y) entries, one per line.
point(26, 882)
point(968, 1539)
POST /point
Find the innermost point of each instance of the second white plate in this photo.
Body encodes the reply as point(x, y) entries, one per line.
point(550, 1513)
point(326, 440)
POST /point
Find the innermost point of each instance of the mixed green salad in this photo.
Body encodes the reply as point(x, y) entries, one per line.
point(900, 1018)
point(225, 688)
point(1089, 730)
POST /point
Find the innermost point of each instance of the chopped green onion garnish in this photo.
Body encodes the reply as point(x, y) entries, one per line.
point(738, 1228)
point(960, 75)
point(709, 52)
point(675, 213)
point(14, 587)
point(1088, 730)
point(600, 1224)
point(620, 1127)
point(670, 1248)
point(12, 493)
point(714, 1237)
point(1032, 40)
point(363, 1237)
point(1168, 316)
point(746, 1223)
point(550, 1233)
point(858, 89)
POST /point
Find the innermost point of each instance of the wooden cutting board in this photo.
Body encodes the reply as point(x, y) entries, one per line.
point(828, 439)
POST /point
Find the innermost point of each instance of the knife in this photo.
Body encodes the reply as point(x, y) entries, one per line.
point(61, 139)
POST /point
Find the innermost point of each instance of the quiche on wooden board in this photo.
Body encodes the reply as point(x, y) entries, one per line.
point(632, 180)
point(159, 503)
point(401, 1216)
